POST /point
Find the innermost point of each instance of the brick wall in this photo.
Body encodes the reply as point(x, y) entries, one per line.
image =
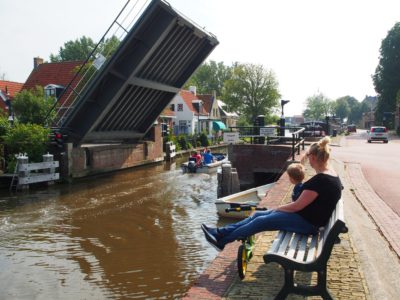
point(251, 159)
point(97, 159)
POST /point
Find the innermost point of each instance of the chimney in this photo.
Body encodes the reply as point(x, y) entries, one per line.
point(192, 89)
point(37, 61)
point(214, 94)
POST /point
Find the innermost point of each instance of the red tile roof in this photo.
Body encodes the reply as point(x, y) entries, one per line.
point(12, 87)
point(207, 101)
point(189, 97)
point(60, 73)
point(167, 112)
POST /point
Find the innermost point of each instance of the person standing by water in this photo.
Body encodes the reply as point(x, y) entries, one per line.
point(310, 211)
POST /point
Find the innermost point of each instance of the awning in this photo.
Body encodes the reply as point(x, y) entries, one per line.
point(218, 125)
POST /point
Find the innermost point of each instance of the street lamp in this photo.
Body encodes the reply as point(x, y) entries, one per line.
point(283, 103)
point(282, 121)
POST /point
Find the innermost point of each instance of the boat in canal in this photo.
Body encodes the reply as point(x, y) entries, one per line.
point(190, 165)
point(247, 200)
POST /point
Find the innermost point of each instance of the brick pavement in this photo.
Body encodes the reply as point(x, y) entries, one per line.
point(345, 276)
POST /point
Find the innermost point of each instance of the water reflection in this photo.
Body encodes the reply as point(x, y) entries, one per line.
point(130, 234)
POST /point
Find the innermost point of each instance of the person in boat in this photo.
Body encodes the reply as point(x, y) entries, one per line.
point(306, 215)
point(296, 173)
point(208, 158)
point(199, 159)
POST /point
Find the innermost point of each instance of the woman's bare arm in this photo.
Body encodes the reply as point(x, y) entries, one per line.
point(305, 198)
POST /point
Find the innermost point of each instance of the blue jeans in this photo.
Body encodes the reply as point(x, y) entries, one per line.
point(266, 221)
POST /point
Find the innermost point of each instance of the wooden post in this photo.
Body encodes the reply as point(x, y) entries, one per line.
point(22, 160)
point(47, 158)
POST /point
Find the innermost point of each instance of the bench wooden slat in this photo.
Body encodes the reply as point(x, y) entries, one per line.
point(293, 246)
point(312, 249)
point(302, 248)
point(276, 242)
point(284, 244)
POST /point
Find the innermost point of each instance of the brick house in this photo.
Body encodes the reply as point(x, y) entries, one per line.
point(8, 90)
point(53, 77)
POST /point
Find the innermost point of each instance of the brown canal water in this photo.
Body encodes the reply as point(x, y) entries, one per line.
point(131, 234)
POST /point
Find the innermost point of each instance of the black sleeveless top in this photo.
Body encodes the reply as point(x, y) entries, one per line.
point(329, 190)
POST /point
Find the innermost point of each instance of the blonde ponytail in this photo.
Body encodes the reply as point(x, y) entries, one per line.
point(321, 149)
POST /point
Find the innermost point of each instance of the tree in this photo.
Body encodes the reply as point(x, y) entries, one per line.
point(210, 77)
point(32, 107)
point(354, 109)
point(252, 90)
point(342, 109)
point(387, 76)
point(74, 50)
point(318, 107)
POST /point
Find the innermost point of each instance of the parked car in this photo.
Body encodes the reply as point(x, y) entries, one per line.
point(351, 128)
point(378, 133)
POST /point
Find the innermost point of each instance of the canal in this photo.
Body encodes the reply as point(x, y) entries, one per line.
point(130, 234)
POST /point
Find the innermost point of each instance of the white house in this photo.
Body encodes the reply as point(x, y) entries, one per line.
point(189, 112)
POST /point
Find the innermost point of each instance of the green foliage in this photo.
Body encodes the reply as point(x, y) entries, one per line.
point(252, 89)
point(209, 77)
point(204, 142)
point(318, 107)
point(272, 119)
point(387, 76)
point(32, 106)
point(74, 50)
point(243, 121)
point(342, 109)
point(27, 138)
point(183, 143)
point(4, 126)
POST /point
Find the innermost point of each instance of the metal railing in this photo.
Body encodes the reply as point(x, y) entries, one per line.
point(98, 57)
point(273, 135)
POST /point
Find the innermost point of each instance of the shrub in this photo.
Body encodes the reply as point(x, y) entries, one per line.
point(31, 139)
point(182, 142)
point(204, 142)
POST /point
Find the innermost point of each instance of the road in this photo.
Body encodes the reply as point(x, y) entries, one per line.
point(380, 164)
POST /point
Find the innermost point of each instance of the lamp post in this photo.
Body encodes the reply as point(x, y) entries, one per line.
point(282, 121)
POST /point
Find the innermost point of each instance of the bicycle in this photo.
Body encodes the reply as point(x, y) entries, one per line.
point(245, 250)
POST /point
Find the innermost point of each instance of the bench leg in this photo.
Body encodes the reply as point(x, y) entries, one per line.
point(304, 290)
point(288, 286)
point(321, 285)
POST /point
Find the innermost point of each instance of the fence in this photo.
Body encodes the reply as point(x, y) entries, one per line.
point(273, 135)
point(28, 173)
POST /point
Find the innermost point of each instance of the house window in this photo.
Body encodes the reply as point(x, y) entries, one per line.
point(50, 92)
point(183, 127)
point(180, 107)
point(172, 107)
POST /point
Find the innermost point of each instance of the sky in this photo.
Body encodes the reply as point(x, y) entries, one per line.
point(312, 46)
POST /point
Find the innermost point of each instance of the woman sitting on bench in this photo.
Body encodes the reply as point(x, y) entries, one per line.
point(309, 212)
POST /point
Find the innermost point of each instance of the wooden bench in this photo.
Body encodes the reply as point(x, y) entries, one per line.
point(307, 253)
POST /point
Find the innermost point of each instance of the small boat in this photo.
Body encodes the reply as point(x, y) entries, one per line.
point(248, 199)
point(190, 166)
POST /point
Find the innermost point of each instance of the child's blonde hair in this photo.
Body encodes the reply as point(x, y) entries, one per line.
point(296, 172)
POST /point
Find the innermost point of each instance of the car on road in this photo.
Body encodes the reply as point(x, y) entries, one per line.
point(378, 133)
point(351, 128)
